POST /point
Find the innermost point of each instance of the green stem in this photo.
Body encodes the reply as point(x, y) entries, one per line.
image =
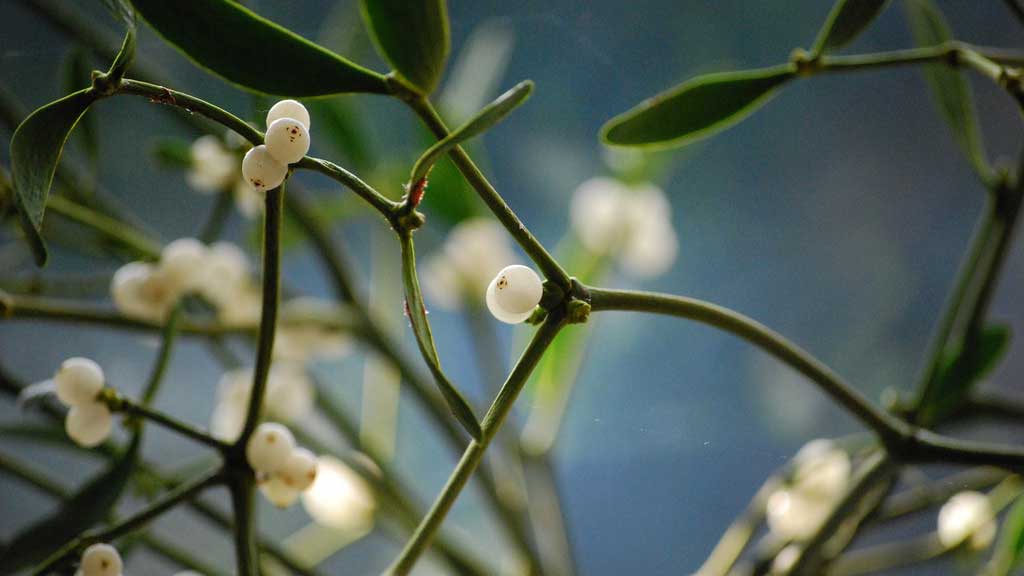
point(906, 443)
point(119, 232)
point(757, 334)
point(63, 310)
point(378, 201)
point(474, 453)
point(268, 319)
point(533, 248)
point(735, 539)
point(135, 521)
point(243, 502)
point(125, 405)
point(329, 250)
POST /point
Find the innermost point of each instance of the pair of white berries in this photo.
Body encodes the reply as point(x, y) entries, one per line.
point(514, 293)
point(286, 142)
point(285, 470)
point(79, 382)
point(101, 560)
point(967, 518)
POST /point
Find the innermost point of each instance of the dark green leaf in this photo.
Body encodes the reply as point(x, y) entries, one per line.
point(417, 314)
point(35, 150)
point(489, 116)
point(85, 509)
point(846, 21)
point(413, 36)
point(961, 371)
point(78, 75)
point(696, 108)
point(253, 52)
point(949, 88)
point(1009, 551)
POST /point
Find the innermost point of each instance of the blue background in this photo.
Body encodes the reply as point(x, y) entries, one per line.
point(836, 215)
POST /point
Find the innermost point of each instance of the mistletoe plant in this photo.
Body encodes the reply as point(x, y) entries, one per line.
point(814, 508)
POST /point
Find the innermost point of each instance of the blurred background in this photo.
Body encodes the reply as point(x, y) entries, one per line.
point(836, 215)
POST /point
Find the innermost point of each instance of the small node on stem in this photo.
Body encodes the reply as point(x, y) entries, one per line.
point(577, 311)
point(806, 64)
point(408, 220)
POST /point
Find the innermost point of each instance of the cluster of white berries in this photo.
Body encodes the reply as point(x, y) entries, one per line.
point(967, 519)
point(219, 273)
point(632, 223)
point(514, 293)
point(100, 560)
point(473, 253)
point(286, 142)
point(289, 398)
point(820, 476)
point(79, 382)
point(283, 469)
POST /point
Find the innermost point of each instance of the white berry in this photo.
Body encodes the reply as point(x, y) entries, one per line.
point(278, 492)
point(299, 470)
point(269, 447)
point(261, 170)
point(288, 109)
point(514, 293)
point(89, 424)
point(967, 516)
point(287, 140)
point(183, 260)
point(78, 381)
point(101, 560)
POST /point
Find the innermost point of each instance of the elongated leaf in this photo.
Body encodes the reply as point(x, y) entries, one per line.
point(949, 88)
point(961, 371)
point(229, 40)
point(78, 74)
point(413, 36)
point(696, 108)
point(35, 150)
point(1009, 551)
point(846, 21)
point(86, 508)
point(489, 116)
point(417, 314)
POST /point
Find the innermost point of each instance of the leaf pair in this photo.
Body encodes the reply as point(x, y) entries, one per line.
point(709, 104)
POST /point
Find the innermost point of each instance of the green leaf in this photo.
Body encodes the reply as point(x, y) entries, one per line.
point(962, 370)
point(417, 313)
point(35, 151)
point(486, 118)
point(845, 22)
point(229, 40)
point(696, 108)
point(1009, 551)
point(413, 36)
point(949, 88)
point(78, 74)
point(85, 509)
